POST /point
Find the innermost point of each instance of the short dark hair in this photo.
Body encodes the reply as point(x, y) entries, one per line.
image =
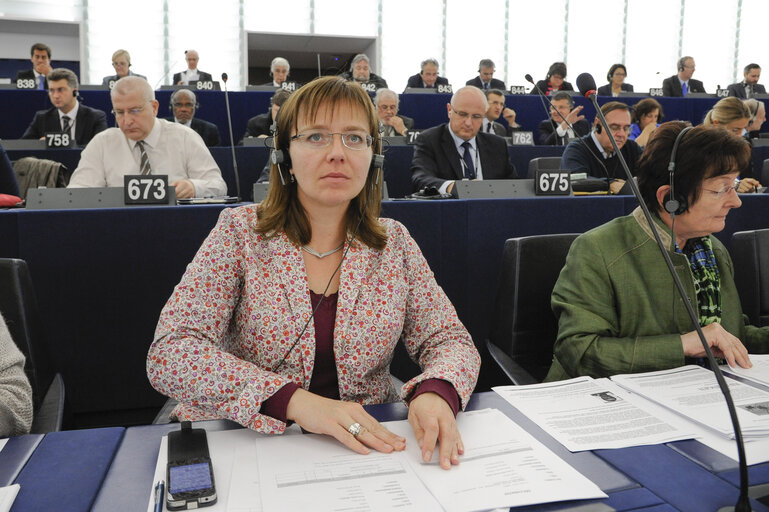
point(280, 96)
point(612, 106)
point(63, 74)
point(561, 95)
point(41, 48)
point(486, 63)
point(496, 92)
point(750, 66)
point(643, 107)
point(614, 68)
point(703, 152)
point(557, 68)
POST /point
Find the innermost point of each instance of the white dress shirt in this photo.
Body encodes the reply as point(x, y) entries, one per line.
point(72, 114)
point(173, 149)
point(188, 75)
point(458, 141)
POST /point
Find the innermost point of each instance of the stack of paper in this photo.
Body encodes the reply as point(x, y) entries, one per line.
point(759, 373)
point(693, 392)
point(589, 414)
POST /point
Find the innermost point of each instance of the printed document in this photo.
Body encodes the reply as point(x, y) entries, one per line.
point(758, 373)
point(593, 414)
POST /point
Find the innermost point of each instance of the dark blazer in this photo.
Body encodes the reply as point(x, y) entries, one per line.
point(259, 125)
point(738, 90)
point(549, 137)
point(114, 78)
point(373, 78)
point(584, 156)
point(27, 74)
point(605, 90)
point(415, 81)
point(407, 121)
point(672, 87)
point(203, 77)
point(544, 86)
point(495, 84)
point(88, 123)
point(209, 132)
point(436, 158)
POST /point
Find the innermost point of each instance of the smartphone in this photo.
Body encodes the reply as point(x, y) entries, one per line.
point(189, 474)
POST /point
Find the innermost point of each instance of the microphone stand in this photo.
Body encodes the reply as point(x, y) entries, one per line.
point(743, 503)
point(232, 139)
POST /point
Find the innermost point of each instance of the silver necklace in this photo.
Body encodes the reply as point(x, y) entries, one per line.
point(321, 255)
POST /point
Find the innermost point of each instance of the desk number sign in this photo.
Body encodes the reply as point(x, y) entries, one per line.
point(655, 91)
point(26, 83)
point(205, 85)
point(552, 183)
point(722, 93)
point(57, 140)
point(446, 89)
point(522, 138)
point(145, 189)
point(517, 89)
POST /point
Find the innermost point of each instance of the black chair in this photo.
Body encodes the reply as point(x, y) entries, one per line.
point(19, 307)
point(523, 327)
point(751, 273)
point(764, 178)
point(546, 163)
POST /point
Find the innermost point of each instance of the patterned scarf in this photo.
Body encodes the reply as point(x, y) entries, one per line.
point(707, 280)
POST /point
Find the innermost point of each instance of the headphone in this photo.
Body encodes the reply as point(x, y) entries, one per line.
point(598, 128)
point(675, 205)
point(682, 63)
point(281, 158)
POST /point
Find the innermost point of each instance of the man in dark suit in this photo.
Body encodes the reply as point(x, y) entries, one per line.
point(192, 72)
point(497, 109)
point(485, 79)
point(183, 105)
point(67, 114)
point(749, 86)
point(456, 150)
point(594, 153)
point(427, 78)
point(682, 84)
point(41, 66)
point(360, 71)
point(556, 130)
point(386, 102)
point(279, 70)
point(261, 125)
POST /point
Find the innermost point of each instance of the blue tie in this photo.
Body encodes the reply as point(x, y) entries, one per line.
point(41, 82)
point(685, 88)
point(469, 167)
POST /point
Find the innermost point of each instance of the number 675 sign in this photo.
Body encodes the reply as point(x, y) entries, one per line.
point(552, 183)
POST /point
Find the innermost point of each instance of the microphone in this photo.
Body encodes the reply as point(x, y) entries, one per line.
point(582, 141)
point(743, 503)
point(586, 85)
point(232, 139)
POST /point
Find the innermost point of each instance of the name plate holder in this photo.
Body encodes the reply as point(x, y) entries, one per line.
point(83, 198)
point(495, 189)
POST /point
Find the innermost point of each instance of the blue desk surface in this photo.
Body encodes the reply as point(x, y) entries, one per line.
point(649, 478)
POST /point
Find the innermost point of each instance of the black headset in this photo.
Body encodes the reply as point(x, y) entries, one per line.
point(675, 205)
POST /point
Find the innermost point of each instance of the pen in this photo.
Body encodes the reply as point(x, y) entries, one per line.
point(159, 492)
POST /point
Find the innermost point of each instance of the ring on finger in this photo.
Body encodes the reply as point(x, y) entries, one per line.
point(356, 429)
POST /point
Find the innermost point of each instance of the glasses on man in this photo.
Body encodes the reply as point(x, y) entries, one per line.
point(131, 111)
point(352, 140)
point(721, 192)
point(465, 115)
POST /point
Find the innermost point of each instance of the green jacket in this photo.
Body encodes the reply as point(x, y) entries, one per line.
point(617, 307)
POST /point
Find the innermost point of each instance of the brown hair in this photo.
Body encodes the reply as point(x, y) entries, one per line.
point(643, 107)
point(282, 211)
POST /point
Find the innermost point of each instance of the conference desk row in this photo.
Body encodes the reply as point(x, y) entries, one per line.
point(101, 276)
point(19, 107)
point(112, 469)
point(397, 167)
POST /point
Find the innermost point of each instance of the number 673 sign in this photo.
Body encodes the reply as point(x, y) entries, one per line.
point(552, 183)
point(146, 189)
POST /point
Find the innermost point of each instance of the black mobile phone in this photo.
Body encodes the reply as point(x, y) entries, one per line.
point(189, 474)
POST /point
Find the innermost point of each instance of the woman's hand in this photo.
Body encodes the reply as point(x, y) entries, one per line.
point(748, 185)
point(333, 417)
point(722, 343)
point(433, 420)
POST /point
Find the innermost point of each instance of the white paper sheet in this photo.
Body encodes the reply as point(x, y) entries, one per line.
point(8, 496)
point(693, 392)
point(592, 414)
point(758, 373)
point(2, 443)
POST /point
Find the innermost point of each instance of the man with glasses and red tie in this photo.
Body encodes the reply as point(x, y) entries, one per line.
point(67, 115)
point(144, 144)
point(594, 153)
point(457, 150)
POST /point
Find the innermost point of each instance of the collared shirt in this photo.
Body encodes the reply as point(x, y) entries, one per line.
point(568, 132)
point(488, 126)
point(174, 150)
point(188, 124)
point(189, 75)
point(461, 151)
point(600, 148)
point(72, 114)
point(682, 82)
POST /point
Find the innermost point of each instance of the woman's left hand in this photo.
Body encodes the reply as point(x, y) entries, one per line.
point(433, 420)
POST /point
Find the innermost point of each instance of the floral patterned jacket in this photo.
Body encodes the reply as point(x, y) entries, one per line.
point(244, 299)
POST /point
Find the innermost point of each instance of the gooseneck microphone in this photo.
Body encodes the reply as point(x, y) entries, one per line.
point(232, 139)
point(586, 85)
point(580, 139)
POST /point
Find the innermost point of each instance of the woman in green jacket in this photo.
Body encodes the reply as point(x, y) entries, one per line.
point(617, 307)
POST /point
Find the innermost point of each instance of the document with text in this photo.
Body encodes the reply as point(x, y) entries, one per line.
point(759, 373)
point(503, 466)
point(592, 414)
point(693, 392)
